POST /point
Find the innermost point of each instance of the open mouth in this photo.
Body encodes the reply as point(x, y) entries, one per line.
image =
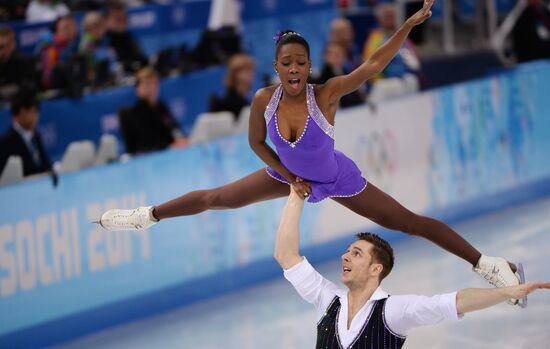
point(294, 83)
point(346, 270)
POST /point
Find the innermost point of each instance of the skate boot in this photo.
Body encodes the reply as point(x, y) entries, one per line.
point(136, 219)
point(498, 273)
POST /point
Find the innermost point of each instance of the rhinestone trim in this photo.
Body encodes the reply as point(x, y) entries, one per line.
point(272, 176)
point(291, 144)
point(345, 196)
point(312, 107)
point(273, 103)
point(316, 113)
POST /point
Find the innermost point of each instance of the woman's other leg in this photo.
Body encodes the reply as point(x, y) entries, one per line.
point(384, 210)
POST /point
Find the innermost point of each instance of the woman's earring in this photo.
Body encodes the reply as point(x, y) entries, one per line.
point(310, 70)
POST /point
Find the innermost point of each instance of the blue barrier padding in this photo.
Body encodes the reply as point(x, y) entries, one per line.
point(241, 278)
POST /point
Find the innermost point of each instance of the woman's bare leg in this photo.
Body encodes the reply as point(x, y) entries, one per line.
point(384, 210)
point(258, 186)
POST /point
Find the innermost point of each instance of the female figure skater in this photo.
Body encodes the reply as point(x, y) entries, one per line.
point(299, 119)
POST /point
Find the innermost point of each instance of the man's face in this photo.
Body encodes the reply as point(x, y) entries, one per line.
point(27, 118)
point(357, 264)
point(7, 46)
point(148, 89)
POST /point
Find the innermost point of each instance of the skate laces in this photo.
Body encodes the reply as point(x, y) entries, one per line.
point(133, 218)
point(493, 276)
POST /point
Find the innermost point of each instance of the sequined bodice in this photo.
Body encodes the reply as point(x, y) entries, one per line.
point(311, 156)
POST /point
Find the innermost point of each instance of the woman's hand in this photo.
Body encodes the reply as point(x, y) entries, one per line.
point(301, 188)
point(423, 14)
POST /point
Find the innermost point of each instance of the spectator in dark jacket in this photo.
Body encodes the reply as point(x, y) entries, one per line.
point(16, 71)
point(148, 125)
point(127, 49)
point(334, 64)
point(23, 139)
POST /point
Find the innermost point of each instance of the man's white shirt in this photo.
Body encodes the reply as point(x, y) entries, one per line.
point(402, 312)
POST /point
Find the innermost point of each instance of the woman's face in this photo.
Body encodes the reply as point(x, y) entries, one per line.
point(293, 65)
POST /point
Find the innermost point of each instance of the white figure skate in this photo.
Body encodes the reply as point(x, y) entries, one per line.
point(498, 273)
point(136, 219)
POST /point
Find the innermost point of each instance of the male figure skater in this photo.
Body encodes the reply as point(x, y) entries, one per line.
point(363, 315)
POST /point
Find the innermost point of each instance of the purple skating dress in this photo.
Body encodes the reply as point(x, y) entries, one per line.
point(312, 156)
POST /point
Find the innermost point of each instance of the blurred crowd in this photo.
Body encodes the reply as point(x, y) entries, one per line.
point(96, 52)
point(49, 10)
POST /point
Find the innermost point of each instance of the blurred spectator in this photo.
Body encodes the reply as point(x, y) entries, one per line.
point(341, 32)
point(22, 138)
point(531, 33)
point(88, 5)
point(97, 5)
point(46, 10)
point(238, 84)
point(57, 47)
point(16, 71)
point(148, 125)
point(127, 49)
point(406, 60)
point(12, 10)
point(215, 47)
point(334, 65)
point(100, 56)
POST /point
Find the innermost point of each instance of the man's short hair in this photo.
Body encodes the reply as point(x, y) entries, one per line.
point(23, 100)
point(381, 252)
point(146, 73)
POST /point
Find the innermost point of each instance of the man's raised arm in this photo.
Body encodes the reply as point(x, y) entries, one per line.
point(287, 239)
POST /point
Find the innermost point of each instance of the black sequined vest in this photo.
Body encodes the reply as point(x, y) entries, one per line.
point(374, 334)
